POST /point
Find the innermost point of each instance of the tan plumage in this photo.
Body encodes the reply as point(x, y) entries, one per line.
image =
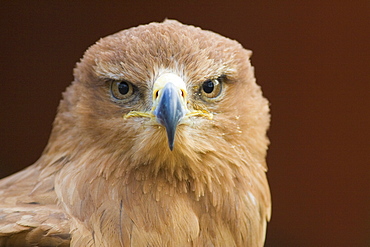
point(108, 176)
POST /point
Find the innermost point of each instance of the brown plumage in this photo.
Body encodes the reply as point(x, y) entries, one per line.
point(123, 168)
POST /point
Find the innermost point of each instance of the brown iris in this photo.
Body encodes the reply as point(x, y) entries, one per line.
point(211, 88)
point(122, 90)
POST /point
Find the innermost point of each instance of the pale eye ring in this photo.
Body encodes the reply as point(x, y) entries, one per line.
point(211, 88)
point(121, 90)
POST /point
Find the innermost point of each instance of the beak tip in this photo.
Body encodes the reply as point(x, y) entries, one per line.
point(170, 146)
point(171, 138)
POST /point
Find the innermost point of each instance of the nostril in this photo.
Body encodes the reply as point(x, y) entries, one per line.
point(156, 94)
point(182, 93)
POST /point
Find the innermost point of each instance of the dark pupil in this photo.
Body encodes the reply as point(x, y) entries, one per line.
point(123, 88)
point(208, 86)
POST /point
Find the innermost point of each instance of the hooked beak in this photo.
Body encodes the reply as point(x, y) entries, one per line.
point(169, 103)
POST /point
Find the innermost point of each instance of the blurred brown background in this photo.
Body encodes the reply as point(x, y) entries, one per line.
point(312, 59)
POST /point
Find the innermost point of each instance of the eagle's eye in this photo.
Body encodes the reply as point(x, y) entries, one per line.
point(211, 88)
point(121, 90)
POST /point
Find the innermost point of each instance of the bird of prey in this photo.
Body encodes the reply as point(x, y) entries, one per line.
point(160, 140)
